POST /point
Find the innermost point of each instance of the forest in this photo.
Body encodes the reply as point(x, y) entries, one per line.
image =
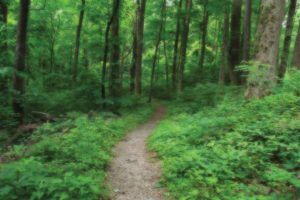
point(150, 99)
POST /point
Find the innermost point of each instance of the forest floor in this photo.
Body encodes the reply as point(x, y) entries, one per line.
point(134, 172)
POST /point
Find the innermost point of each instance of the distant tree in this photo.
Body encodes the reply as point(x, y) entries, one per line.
point(287, 38)
point(138, 43)
point(184, 42)
point(296, 58)
point(247, 30)
point(18, 79)
point(235, 41)
point(77, 43)
point(263, 76)
point(3, 40)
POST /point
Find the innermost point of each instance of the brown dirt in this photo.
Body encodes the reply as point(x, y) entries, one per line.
point(134, 173)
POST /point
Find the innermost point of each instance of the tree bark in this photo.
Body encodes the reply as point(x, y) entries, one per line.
point(263, 76)
point(247, 31)
point(115, 78)
point(235, 44)
point(287, 39)
point(3, 43)
point(77, 43)
point(161, 26)
point(138, 44)
point(296, 58)
point(176, 46)
point(203, 30)
point(184, 42)
point(224, 59)
point(18, 77)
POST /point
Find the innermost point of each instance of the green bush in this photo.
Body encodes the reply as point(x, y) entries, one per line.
point(66, 160)
point(233, 150)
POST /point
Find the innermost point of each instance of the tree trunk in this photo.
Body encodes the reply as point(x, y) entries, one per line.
point(263, 76)
point(18, 78)
point(138, 44)
point(296, 59)
point(115, 79)
point(247, 31)
point(235, 44)
point(287, 39)
point(176, 44)
point(203, 30)
point(3, 44)
point(184, 42)
point(77, 45)
point(224, 59)
point(161, 26)
point(115, 10)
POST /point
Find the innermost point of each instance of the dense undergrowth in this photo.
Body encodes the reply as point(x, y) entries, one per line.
point(221, 147)
point(66, 160)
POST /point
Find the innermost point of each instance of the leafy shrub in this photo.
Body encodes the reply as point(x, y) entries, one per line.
point(66, 160)
point(234, 149)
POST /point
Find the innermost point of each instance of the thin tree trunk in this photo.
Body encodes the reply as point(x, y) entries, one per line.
point(18, 78)
point(184, 42)
point(224, 59)
point(106, 50)
point(115, 82)
point(287, 39)
point(296, 58)
point(203, 30)
point(235, 44)
point(166, 63)
point(138, 44)
point(161, 26)
point(267, 48)
point(176, 44)
point(3, 44)
point(247, 31)
point(77, 45)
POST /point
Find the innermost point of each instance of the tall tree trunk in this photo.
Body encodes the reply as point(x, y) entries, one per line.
point(235, 44)
point(184, 42)
point(263, 76)
point(296, 58)
point(287, 39)
point(138, 44)
point(18, 78)
point(161, 26)
point(3, 43)
point(115, 79)
point(77, 45)
point(176, 45)
point(247, 31)
point(203, 30)
point(224, 59)
point(115, 10)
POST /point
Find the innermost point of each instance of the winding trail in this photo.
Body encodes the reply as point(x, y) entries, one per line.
point(134, 172)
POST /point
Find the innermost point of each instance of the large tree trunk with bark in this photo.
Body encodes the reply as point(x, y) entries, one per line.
point(138, 44)
point(77, 42)
point(224, 58)
point(176, 46)
point(235, 41)
point(287, 39)
point(18, 78)
point(184, 43)
point(263, 76)
point(115, 72)
point(203, 30)
point(296, 58)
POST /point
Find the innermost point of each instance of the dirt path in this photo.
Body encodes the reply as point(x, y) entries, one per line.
point(134, 173)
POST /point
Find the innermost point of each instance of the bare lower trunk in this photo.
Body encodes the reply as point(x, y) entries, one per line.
point(263, 76)
point(77, 45)
point(296, 59)
point(18, 78)
point(287, 39)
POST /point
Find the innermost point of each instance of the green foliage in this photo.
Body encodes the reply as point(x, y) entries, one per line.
point(233, 150)
point(66, 160)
